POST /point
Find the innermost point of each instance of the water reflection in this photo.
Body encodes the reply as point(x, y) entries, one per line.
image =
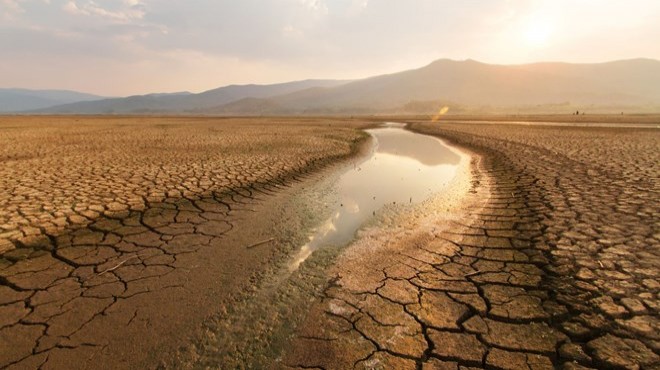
point(404, 167)
point(421, 148)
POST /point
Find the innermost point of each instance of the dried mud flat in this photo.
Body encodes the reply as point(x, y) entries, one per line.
point(122, 236)
point(115, 232)
point(552, 260)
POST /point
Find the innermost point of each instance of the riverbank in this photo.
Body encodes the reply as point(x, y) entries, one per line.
point(137, 230)
point(371, 192)
point(593, 196)
point(553, 264)
point(359, 319)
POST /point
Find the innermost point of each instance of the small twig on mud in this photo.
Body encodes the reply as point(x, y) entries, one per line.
point(116, 266)
point(601, 265)
point(260, 243)
point(473, 273)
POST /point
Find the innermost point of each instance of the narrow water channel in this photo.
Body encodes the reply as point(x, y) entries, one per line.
point(403, 168)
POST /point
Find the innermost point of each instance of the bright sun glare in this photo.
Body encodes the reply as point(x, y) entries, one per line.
point(538, 33)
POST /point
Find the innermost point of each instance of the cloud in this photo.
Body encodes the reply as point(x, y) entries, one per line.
point(303, 38)
point(10, 8)
point(316, 6)
point(128, 10)
point(357, 6)
point(11, 5)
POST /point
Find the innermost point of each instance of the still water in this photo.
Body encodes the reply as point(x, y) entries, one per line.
point(403, 168)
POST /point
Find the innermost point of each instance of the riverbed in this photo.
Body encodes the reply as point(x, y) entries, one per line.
point(403, 168)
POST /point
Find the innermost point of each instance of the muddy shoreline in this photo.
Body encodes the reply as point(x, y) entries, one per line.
point(255, 329)
point(280, 306)
point(553, 265)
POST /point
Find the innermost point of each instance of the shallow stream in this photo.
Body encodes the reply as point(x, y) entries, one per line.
point(403, 168)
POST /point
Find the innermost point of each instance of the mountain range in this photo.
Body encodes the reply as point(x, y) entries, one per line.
point(463, 86)
point(15, 100)
point(187, 103)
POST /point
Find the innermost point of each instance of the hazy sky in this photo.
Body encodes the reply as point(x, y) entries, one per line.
point(122, 47)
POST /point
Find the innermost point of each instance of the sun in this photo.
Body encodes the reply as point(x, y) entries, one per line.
point(538, 33)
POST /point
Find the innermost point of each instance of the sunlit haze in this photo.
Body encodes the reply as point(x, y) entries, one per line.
point(125, 47)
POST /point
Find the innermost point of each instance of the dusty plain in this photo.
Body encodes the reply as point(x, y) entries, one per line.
point(121, 236)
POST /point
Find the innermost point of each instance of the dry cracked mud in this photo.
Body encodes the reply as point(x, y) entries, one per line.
point(115, 232)
point(554, 263)
point(121, 235)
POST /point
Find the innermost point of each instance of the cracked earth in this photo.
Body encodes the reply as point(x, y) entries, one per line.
point(108, 224)
point(554, 262)
point(118, 238)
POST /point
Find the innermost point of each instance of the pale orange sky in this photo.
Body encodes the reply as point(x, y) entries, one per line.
point(125, 47)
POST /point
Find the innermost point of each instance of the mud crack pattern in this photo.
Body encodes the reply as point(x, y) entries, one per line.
point(97, 215)
point(557, 265)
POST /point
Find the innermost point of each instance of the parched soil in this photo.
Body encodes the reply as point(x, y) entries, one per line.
point(120, 236)
point(553, 262)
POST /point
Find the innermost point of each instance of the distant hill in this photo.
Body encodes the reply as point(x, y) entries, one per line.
point(186, 102)
point(464, 86)
point(471, 85)
point(15, 100)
